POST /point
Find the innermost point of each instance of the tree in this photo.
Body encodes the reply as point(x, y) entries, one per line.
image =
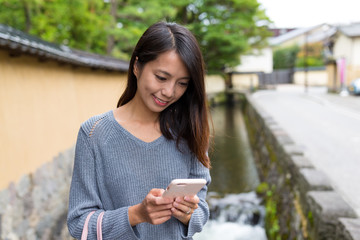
point(132, 18)
point(76, 23)
point(224, 29)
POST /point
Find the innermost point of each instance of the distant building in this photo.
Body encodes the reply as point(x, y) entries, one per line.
point(345, 44)
point(300, 36)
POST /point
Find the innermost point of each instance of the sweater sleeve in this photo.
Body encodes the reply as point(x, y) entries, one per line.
point(201, 214)
point(85, 198)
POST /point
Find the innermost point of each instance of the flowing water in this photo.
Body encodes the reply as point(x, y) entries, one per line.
point(236, 212)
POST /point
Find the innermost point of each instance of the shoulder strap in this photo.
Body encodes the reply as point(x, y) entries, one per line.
point(85, 229)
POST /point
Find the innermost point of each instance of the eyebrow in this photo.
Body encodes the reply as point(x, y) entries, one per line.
point(168, 74)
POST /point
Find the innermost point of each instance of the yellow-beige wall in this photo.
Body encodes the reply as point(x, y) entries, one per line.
point(313, 78)
point(42, 105)
point(245, 81)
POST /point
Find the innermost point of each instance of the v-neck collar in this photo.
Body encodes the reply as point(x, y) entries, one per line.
point(118, 126)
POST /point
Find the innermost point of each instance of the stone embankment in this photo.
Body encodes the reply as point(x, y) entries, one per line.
point(36, 207)
point(299, 199)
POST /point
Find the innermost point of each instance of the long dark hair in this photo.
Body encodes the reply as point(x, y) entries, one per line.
point(188, 117)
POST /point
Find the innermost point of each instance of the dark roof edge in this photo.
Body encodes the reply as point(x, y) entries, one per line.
point(14, 39)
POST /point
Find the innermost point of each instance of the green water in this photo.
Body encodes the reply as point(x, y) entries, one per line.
point(233, 168)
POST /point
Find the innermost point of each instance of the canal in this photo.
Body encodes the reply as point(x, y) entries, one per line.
point(235, 210)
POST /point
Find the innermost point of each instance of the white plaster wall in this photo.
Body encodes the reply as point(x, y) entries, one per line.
point(214, 84)
point(343, 48)
point(260, 61)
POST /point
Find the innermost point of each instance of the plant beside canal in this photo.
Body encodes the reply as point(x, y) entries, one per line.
point(272, 226)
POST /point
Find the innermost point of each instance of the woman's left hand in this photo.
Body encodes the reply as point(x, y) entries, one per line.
point(183, 208)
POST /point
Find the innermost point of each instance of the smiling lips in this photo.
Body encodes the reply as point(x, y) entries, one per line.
point(159, 101)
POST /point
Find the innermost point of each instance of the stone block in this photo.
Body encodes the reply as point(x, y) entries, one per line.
point(326, 207)
point(300, 162)
point(348, 229)
point(284, 152)
point(24, 186)
point(4, 200)
point(294, 150)
point(274, 127)
point(312, 179)
point(282, 137)
point(268, 120)
point(296, 163)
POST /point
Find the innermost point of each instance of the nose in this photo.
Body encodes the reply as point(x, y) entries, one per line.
point(168, 90)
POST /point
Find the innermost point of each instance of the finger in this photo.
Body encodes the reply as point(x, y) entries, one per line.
point(188, 199)
point(155, 197)
point(157, 192)
point(159, 215)
point(157, 208)
point(192, 199)
point(180, 215)
point(186, 203)
point(184, 208)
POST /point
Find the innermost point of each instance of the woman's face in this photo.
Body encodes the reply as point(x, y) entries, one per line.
point(162, 81)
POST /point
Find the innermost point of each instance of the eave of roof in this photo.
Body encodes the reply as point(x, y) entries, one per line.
point(351, 30)
point(301, 31)
point(16, 40)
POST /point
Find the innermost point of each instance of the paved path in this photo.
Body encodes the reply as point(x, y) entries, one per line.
point(327, 126)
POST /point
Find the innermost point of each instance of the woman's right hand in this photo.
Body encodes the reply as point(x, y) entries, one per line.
point(153, 209)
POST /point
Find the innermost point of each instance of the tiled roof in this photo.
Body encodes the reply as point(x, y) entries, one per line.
point(351, 30)
point(16, 40)
point(313, 36)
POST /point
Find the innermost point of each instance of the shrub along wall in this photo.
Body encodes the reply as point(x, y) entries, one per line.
point(300, 202)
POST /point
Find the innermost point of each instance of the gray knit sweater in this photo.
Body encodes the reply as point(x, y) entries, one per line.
point(114, 170)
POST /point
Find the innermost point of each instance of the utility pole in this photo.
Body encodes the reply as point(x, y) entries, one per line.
point(305, 63)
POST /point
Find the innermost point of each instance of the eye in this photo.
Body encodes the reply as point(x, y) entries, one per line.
point(184, 84)
point(160, 78)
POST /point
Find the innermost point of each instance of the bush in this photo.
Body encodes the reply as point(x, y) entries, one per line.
point(284, 58)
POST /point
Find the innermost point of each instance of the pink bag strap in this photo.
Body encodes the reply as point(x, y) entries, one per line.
point(84, 233)
point(98, 228)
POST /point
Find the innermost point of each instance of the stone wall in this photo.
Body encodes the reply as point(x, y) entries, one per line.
point(36, 207)
point(300, 202)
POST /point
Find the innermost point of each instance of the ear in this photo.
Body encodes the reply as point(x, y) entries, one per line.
point(135, 68)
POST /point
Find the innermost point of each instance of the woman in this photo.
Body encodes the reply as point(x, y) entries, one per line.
point(158, 132)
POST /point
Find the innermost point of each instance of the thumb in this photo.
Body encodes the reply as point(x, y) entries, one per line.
point(157, 192)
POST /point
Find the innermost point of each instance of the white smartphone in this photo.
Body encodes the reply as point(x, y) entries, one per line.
point(184, 187)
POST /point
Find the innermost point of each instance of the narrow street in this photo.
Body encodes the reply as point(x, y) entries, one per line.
point(326, 126)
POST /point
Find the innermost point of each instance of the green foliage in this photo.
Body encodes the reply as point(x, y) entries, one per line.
point(271, 219)
point(312, 53)
point(76, 23)
point(285, 57)
point(262, 188)
point(310, 62)
point(295, 56)
point(310, 218)
point(224, 29)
